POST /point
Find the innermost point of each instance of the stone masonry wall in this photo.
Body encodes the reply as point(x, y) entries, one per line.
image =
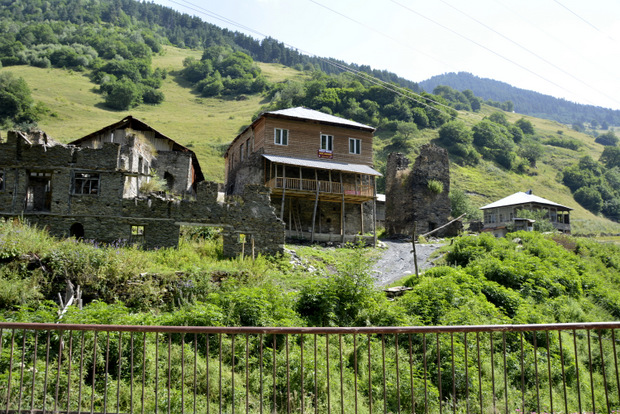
point(108, 217)
point(408, 197)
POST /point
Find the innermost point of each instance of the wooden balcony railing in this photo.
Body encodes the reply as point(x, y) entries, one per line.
point(329, 187)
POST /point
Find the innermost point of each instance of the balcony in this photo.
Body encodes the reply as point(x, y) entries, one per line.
point(328, 190)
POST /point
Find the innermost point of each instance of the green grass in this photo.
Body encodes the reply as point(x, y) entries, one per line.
point(208, 125)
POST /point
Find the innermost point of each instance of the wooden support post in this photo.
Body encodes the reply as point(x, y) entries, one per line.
point(330, 181)
point(362, 217)
point(415, 256)
point(374, 211)
point(283, 191)
point(316, 203)
point(342, 227)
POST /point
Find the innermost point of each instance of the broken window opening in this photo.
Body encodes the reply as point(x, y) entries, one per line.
point(1, 180)
point(39, 191)
point(169, 178)
point(86, 183)
point(77, 231)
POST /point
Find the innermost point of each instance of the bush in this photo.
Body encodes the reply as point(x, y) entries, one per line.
point(152, 96)
point(435, 186)
point(589, 198)
point(122, 95)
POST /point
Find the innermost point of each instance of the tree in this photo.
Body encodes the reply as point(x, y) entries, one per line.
point(531, 151)
point(474, 101)
point(541, 217)
point(455, 132)
point(526, 126)
point(498, 118)
point(589, 198)
point(608, 139)
point(123, 94)
point(610, 157)
point(461, 204)
point(16, 103)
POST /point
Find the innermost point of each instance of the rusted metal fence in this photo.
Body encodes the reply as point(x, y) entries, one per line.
point(560, 368)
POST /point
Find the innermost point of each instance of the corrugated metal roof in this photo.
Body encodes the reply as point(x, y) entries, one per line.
point(325, 165)
point(305, 113)
point(522, 198)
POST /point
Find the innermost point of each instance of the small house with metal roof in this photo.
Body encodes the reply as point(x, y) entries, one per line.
point(319, 168)
point(501, 217)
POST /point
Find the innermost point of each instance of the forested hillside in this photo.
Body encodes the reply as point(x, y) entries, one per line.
point(88, 60)
point(154, 23)
point(526, 102)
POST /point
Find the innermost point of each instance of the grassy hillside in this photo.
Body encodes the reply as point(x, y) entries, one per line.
point(207, 125)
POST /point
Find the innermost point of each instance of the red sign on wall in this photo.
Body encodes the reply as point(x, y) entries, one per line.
point(326, 154)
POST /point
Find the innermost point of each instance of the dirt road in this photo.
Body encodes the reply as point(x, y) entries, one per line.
point(397, 261)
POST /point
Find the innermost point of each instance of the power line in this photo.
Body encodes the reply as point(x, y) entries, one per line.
point(529, 51)
point(584, 20)
point(484, 47)
point(381, 33)
point(405, 92)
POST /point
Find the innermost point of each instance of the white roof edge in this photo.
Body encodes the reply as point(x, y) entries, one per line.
point(325, 165)
point(311, 114)
point(522, 198)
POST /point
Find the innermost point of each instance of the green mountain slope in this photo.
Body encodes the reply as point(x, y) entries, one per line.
point(525, 101)
point(207, 125)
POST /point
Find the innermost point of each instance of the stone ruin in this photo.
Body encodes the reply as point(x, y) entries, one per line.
point(82, 192)
point(410, 199)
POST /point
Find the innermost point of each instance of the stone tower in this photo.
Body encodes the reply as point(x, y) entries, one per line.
point(409, 198)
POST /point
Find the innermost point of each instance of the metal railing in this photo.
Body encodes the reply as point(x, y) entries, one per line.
point(299, 184)
point(560, 368)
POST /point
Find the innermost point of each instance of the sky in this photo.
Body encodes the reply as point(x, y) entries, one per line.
point(564, 48)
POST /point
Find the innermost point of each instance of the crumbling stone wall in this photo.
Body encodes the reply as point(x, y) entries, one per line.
point(248, 172)
point(108, 217)
point(408, 197)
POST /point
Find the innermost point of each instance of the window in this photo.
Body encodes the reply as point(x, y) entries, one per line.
point(241, 153)
point(86, 183)
point(327, 142)
point(39, 191)
point(280, 136)
point(355, 146)
point(1, 180)
point(137, 235)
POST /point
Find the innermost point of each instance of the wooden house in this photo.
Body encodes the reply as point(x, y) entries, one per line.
point(319, 168)
point(502, 216)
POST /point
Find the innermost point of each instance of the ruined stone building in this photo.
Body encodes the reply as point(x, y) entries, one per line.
point(319, 168)
point(97, 188)
point(502, 216)
point(418, 194)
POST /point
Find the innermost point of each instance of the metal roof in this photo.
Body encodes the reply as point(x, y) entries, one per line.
point(325, 165)
point(522, 198)
point(310, 114)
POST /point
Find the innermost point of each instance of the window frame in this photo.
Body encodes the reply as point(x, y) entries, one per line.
point(357, 146)
point(88, 177)
point(327, 142)
point(136, 234)
point(282, 137)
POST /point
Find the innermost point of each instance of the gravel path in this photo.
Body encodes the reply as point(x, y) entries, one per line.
point(397, 261)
